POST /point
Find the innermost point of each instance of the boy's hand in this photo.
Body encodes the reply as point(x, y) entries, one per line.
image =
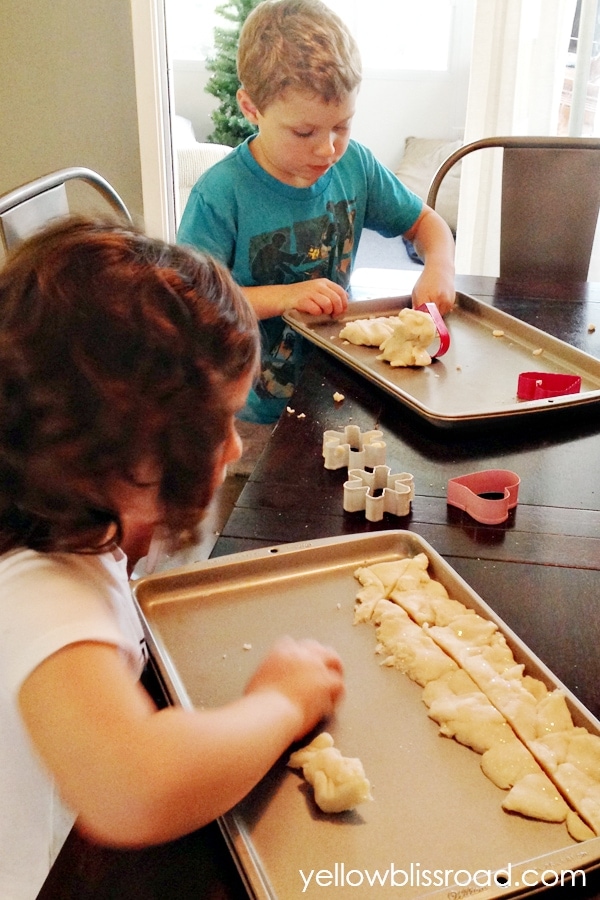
point(435, 286)
point(307, 673)
point(435, 244)
point(318, 297)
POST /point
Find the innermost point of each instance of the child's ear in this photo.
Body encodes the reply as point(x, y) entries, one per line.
point(249, 110)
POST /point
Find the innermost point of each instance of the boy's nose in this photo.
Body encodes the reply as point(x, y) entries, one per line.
point(326, 147)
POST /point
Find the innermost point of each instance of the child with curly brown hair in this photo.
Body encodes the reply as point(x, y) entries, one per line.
point(123, 362)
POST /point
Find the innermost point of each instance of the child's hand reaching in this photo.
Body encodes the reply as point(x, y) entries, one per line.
point(435, 285)
point(316, 297)
point(307, 673)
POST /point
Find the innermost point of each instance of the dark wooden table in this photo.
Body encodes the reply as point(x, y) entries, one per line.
point(539, 570)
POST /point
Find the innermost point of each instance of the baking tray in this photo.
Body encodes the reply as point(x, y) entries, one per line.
point(433, 807)
point(476, 380)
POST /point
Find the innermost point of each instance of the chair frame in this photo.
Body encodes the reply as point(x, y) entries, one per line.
point(531, 244)
point(46, 198)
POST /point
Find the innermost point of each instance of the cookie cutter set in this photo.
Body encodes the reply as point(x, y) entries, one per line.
point(486, 496)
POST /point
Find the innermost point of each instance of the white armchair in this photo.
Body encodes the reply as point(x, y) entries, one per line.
point(192, 158)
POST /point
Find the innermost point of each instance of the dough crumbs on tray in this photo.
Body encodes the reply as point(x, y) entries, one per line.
point(591, 328)
point(480, 696)
point(339, 782)
point(338, 397)
point(497, 332)
point(538, 352)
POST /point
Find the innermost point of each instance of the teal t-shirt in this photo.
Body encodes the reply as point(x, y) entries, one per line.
point(267, 232)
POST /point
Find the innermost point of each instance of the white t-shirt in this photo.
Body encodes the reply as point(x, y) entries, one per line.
point(48, 601)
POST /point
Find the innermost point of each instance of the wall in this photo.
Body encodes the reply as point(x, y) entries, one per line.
point(68, 95)
point(424, 104)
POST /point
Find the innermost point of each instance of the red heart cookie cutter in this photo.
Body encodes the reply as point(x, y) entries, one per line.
point(467, 492)
point(540, 385)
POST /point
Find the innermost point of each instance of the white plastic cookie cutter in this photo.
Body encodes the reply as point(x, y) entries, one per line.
point(378, 492)
point(353, 448)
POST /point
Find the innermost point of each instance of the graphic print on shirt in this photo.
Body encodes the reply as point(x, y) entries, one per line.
point(315, 248)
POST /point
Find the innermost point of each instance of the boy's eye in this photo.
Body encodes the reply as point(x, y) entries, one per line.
point(303, 134)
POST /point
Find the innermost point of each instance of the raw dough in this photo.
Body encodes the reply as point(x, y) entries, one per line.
point(369, 332)
point(406, 647)
point(407, 345)
point(402, 339)
point(339, 782)
point(464, 713)
point(479, 695)
point(536, 797)
point(506, 762)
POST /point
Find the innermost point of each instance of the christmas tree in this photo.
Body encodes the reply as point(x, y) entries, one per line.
point(231, 127)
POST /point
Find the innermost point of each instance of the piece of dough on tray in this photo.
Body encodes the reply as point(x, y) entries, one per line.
point(403, 339)
point(536, 797)
point(506, 762)
point(339, 782)
point(369, 332)
point(464, 713)
point(408, 342)
point(406, 647)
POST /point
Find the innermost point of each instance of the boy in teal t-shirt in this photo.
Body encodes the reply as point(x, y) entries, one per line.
point(285, 210)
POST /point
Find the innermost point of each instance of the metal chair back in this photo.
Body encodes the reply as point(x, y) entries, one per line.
point(550, 203)
point(31, 206)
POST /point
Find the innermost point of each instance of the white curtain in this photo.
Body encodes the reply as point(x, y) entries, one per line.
point(517, 73)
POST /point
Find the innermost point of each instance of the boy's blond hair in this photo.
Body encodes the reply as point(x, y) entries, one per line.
point(299, 45)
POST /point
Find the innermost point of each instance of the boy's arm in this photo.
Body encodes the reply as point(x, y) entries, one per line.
point(136, 776)
point(317, 297)
point(435, 245)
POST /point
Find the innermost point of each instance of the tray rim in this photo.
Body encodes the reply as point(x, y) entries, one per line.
point(233, 829)
point(302, 323)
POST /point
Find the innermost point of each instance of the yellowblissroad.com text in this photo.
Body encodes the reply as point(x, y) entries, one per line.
point(459, 882)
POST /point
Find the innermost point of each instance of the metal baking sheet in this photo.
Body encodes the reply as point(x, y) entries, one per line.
point(433, 809)
point(476, 380)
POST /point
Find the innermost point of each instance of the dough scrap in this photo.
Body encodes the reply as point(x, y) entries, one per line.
point(577, 828)
point(406, 647)
point(369, 332)
point(464, 713)
point(407, 344)
point(506, 763)
point(536, 797)
point(339, 782)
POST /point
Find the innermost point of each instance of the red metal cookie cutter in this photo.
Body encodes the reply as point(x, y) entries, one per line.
point(539, 385)
point(467, 493)
point(442, 331)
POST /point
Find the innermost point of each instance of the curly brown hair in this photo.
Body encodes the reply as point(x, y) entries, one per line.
point(114, 348)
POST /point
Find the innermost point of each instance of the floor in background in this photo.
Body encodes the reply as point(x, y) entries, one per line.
point(254, 438)
point(217, 514)
point(377, 252)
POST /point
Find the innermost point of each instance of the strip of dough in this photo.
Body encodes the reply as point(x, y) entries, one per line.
point(485, 700)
